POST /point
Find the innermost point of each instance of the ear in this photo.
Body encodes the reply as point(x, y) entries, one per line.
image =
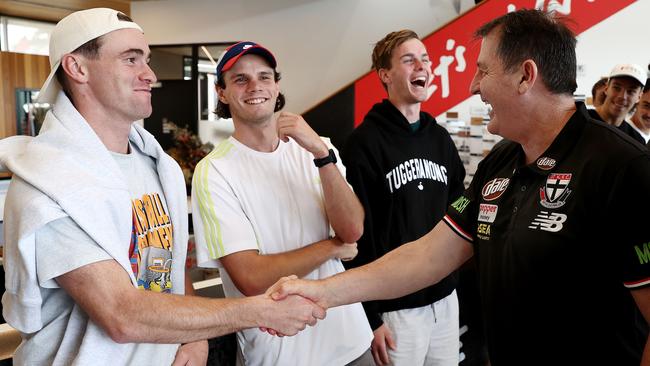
point(528, 76)
point(277, 88)
point(383, 76)
point(222, 97)
point(74, 66)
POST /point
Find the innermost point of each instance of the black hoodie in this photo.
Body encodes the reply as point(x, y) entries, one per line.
point(405, 180)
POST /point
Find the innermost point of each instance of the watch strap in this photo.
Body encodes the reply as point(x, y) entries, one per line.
point(330, 158)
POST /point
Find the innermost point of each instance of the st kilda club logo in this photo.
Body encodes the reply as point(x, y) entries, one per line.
point(556, 190)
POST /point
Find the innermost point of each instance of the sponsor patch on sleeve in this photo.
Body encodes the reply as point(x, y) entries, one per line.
point(642, 254)
point(460, 204)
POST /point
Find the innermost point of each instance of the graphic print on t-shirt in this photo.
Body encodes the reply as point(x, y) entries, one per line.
point(151, 244)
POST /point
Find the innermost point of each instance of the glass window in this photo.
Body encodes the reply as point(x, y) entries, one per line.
point(3, 34)
point(29, 114)
point(27, 36)
point(185, 94)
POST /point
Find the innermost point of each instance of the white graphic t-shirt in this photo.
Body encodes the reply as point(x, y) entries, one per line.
point(62, 246)
point(150, 250)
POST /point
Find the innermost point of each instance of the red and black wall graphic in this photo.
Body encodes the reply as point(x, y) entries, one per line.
point(453, 51)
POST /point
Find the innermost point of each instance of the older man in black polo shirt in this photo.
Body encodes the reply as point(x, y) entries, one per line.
point(563, 258)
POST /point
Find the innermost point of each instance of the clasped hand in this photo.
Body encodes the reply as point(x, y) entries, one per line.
point(294, 310)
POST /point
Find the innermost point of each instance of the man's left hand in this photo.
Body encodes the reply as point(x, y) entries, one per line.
point(294, 126)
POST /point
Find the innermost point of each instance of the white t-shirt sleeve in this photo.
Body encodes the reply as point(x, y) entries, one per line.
point(62, 246)
point(221, 226)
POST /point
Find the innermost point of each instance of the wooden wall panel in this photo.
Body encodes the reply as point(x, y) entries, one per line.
point(18, 71)
point(53, 11)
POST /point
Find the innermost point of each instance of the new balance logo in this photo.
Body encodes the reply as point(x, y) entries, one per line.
point(548, 222)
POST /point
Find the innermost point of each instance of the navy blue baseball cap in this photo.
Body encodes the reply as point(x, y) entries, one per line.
point(234, 52)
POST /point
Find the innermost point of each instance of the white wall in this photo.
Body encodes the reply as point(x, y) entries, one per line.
point(321, 45)
point(621, 38)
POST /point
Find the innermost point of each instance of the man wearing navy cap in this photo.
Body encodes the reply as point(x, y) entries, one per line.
point(265, 202)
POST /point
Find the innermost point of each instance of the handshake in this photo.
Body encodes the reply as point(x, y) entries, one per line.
point(291, 304)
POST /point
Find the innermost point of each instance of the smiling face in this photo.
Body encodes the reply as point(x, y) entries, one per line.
point(119, 80)
point(641, 116)
point(407, 79)
point(621, 95)
point(496, 87)
point(251, 90)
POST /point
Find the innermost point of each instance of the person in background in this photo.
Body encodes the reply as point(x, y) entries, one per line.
point(547, 216)
point(396, 137)
point(264, 201)
point(640, 120)
point(598, 92)
point(624, 88)
point(96, 220)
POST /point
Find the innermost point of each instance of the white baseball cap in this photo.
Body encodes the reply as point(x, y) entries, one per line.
point(72, 32)
point(633, 71)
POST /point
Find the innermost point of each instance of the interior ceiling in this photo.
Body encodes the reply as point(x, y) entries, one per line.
point(215, 51)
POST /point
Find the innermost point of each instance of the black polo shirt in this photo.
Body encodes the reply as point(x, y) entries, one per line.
point(559, 244)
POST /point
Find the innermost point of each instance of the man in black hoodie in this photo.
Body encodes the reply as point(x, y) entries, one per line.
point(406, 171)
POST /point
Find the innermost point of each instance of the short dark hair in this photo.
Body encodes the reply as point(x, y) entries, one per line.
point(599, 84)
point(383, 51)
point(542, 37)
point(89, 50)
point(223, 110)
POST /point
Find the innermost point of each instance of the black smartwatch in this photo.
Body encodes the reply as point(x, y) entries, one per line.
point(331, 158)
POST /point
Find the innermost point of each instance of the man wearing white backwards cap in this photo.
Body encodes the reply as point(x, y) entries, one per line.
point(96, 219)
point(622, 92)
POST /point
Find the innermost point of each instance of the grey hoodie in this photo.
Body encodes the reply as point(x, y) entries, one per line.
point(67, 171)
